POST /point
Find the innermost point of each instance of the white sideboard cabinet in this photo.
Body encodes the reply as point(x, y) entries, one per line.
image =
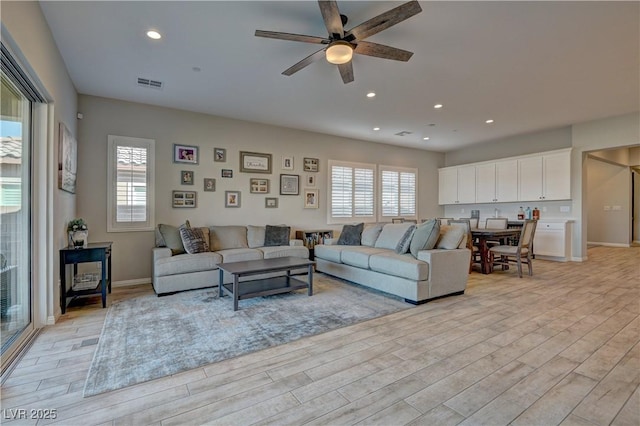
point(553, 239)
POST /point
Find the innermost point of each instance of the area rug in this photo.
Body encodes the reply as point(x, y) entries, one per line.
point(151, 337)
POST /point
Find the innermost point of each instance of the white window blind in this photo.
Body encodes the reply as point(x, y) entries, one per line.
point(131, 180)
point(398, 192)
point(351, 192)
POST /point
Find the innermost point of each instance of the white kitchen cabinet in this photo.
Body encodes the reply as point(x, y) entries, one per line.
point(497, 182)
point(545, 177)
point(457, 185)
point(553, 240)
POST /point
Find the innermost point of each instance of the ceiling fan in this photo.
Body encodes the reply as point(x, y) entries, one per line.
point(342, 44)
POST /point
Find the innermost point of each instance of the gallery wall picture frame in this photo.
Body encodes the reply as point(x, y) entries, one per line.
point(289, 184)
point(186, 177)
point(226, 173)
point(255, 162)
point(311, 164)
point(209, 184)
point(258, 186)
point(219, 155)
point(271, 202)
point(287, 163)
point(67, 160)
point(311, 199)
point(232, 198)
point(184, 199)
point(185, 154)
point(311, 180)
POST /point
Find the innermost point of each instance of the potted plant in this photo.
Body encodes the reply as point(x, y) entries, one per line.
point(78, 232)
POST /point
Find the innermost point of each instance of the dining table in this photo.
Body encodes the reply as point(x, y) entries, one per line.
point(482, 235)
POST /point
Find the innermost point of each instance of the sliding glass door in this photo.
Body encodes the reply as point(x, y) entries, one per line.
point(16, 301)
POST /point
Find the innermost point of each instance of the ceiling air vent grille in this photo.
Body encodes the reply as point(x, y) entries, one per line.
point(403, 133)
point(153, 84)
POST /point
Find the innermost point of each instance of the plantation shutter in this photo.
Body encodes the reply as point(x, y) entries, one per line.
point(398, 192)
point(352, 192)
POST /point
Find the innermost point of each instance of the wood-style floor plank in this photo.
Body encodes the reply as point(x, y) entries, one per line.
point(561, 347)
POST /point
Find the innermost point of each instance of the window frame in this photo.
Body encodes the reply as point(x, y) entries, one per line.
point(385, 168)
point(342, 220)
point(113, 141)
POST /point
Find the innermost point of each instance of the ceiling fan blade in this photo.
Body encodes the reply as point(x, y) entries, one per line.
point(381, 51)
point(331, 16)
point(292, 37)
point(346, 72)
point(303, 63)
point(384, 21)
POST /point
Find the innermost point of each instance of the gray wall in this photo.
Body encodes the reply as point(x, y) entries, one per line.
point(26, 32)
point(132, 251)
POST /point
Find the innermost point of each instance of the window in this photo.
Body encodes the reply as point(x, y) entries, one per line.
point(398, 192)
point(131, 177)
point(351, 192)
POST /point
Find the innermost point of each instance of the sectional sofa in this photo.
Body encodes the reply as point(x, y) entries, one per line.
point(381, 260)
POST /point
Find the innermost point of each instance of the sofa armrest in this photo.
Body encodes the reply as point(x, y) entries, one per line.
point(296, 243)
point(161, 253)
point(448, 269)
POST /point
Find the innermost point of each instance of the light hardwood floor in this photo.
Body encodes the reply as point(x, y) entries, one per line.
point(561, 347)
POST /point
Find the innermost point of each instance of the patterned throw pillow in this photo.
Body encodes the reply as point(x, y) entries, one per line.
point(405, 241)
point(193, 240)
point(350, 235)
point(276, 236)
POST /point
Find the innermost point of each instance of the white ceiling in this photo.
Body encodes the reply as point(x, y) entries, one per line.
point(527, 65)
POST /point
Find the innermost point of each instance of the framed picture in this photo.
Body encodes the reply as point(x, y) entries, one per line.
point(287, 163)
point(289, 185)
point(232, 198)
point(67, 160)
point(310, 198)
point(255, 162)
point(311, 180)
point(219, 154)
point(271, 203)
point(184, 199)
point(311, 164)
point(227, 173)
point(185, 154)
point(186, 177)
point(259, 186)
point(209, 184)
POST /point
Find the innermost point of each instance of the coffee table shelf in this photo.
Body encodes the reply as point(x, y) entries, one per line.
point(266, 286)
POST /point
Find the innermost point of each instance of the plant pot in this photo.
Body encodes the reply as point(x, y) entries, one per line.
point(78, 239)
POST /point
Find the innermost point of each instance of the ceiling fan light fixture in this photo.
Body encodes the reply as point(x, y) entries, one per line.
point(339, 52)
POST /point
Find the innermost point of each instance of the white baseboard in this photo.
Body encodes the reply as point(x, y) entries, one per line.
point(608, 244)
point(51, 320)
point(579, 259)
point(138, 281)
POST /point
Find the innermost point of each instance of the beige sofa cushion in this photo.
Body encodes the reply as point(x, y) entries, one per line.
point(393, 235)
point(359, 256)
point(370, 234)
point(185, 263)
point(451, 237)
point(284, 251)
point(239, 254)
point(255, 236)
point(401, 265)
point(227, 237)
point(331, 253)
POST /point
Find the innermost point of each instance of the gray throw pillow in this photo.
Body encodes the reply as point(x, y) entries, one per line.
point(276, 236)
point(170, 238)
point(193, 240)
point(350, 235)
point(405, 241)
point(370, 234)
point(425, 237)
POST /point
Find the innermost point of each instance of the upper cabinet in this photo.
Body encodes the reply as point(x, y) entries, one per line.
point(544, 176)
point(497, 182)
point(457, 185)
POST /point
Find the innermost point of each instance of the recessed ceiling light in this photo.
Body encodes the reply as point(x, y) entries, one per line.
point(426, 138)
point(489, 121)
point(196, 69)
point(371, 95)
point(437, 106)
point(376, 128)
point(154, 35)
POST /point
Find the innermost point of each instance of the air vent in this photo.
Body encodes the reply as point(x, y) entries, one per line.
point(403, 133)
point(153, 84)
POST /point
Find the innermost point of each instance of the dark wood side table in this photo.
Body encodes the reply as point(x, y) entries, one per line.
point(94, 252)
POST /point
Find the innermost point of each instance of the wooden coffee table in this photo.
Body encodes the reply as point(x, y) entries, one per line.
point(267, 286)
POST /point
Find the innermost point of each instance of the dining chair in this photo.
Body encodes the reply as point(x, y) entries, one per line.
point(444, 220)
point(496, 223)
point(516, 254)
point(475, 251)
point(397, 220)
